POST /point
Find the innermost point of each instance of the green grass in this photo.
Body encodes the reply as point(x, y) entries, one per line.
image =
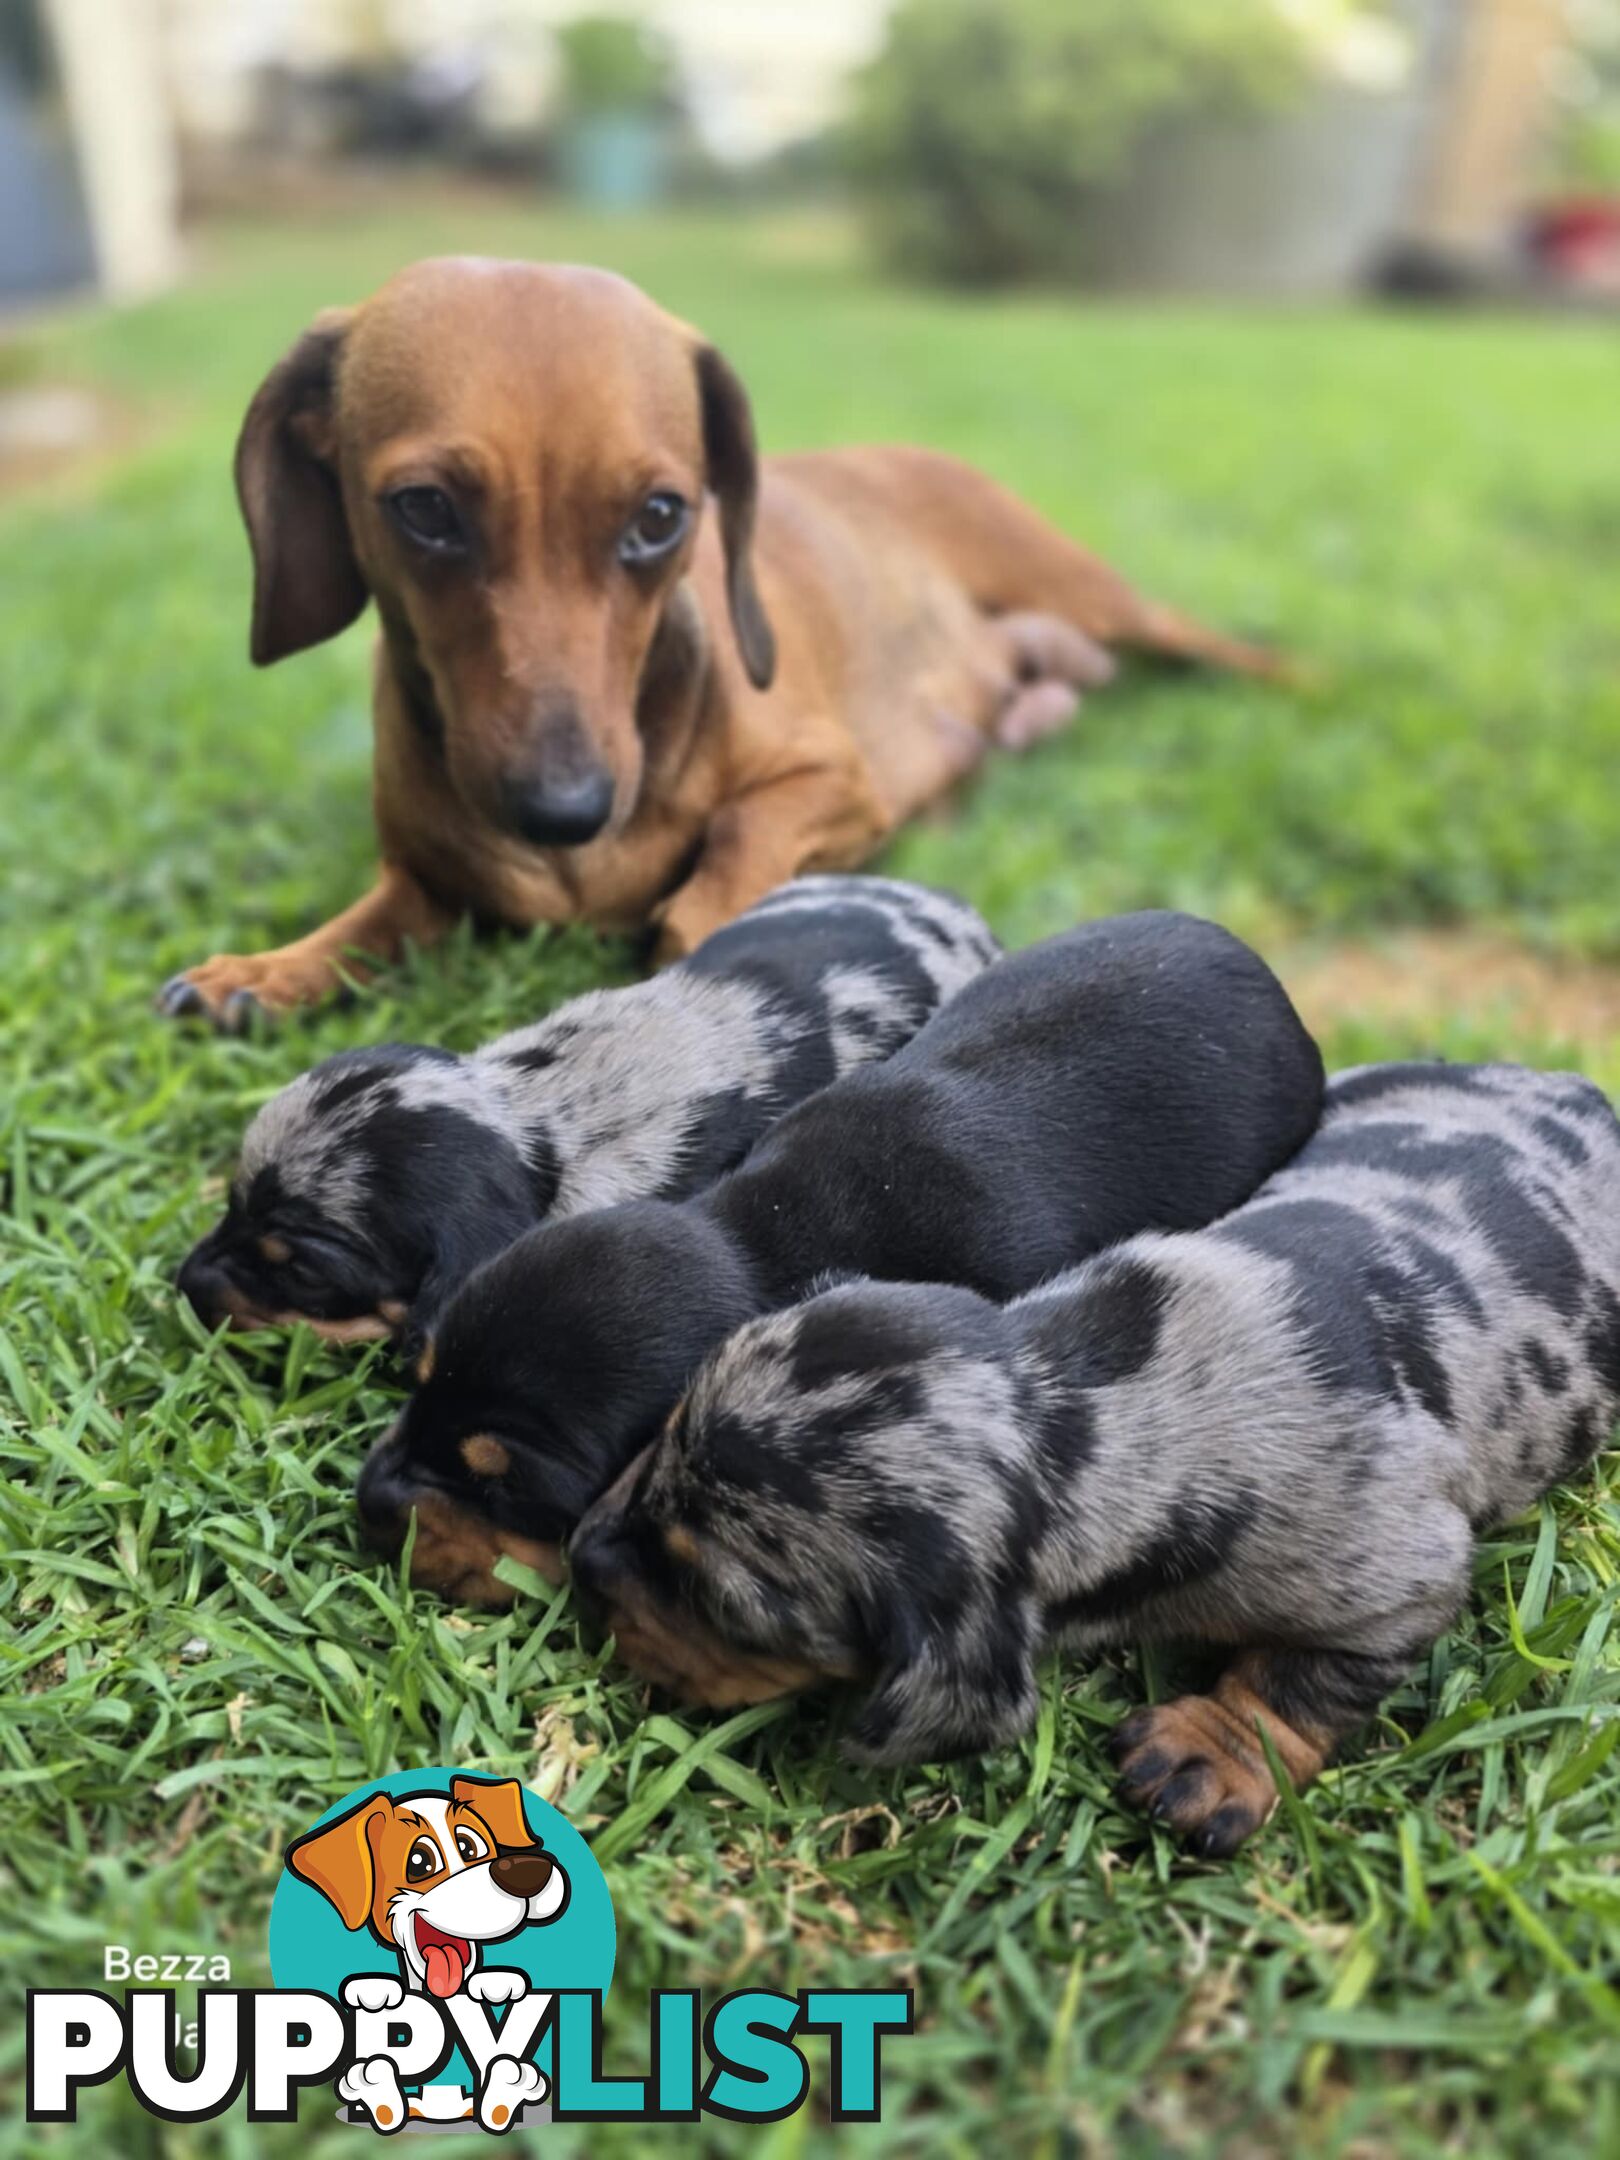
point(198, 1656)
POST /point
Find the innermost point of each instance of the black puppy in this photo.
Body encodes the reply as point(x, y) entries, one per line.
point(1147, 1070)
point(1279, 1435)
point(372, 1186)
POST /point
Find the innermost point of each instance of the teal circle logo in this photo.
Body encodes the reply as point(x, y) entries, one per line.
point(450, 1886)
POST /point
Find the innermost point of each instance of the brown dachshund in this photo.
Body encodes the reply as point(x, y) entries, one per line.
point(593, 701)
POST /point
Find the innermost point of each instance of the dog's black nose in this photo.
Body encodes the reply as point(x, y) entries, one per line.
point(561, 811)
point(382, 1495)
point(523, 1874)
point(598, 1557)
point(201, 1281)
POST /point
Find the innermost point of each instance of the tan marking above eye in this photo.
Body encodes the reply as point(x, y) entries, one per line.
point(484, 1455)
point(275, 1249)
point(680, 1544)
point(424, 1364)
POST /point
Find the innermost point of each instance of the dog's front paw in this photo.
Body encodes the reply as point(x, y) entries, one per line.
point(373, 1991)
point(374, 2086)
point(498, 1984)
point(236, 991)
point(1190, 1765)
point(229, 991)
point(509, 2086)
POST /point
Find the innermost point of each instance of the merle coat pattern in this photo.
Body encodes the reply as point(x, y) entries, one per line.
point(371, 1186)
point(1144, 1070)
point(1280, 1435)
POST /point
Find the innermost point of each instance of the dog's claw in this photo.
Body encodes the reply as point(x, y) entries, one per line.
point(242, 1012)
point(180, 999)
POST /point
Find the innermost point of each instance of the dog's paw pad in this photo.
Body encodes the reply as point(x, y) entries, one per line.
point(498, 1984)
point(509, 2086)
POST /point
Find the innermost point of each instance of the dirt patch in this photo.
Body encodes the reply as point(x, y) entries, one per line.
point(1416, 978)
point(48, 429)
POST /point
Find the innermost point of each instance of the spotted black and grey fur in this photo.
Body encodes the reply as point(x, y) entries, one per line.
point(1143, 1070)
point(384, 1176)
point(1280, 1435)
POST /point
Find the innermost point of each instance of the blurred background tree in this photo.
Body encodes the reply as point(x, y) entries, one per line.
point(984, 127)
point(1586, 146)
point(613, 64)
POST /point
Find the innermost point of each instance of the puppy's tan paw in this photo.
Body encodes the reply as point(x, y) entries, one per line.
point(1198, 1769)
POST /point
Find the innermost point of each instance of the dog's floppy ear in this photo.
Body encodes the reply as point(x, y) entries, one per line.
point(947, 1683)
point(501, 1806)
point(338, 1860)
point(306, 582)
point(733, 461)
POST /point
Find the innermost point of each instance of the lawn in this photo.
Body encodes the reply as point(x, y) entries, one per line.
point(198, 1656)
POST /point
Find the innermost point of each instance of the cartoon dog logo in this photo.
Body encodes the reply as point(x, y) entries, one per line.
point(436, 1877)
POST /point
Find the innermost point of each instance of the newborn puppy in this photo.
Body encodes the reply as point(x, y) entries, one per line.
point(1147, 1070)
point(372, 1186)
point(1280, 1435)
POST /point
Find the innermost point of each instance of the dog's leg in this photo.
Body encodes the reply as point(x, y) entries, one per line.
point(1052, 664)
point(1197, 1765)
point(231, 988)
point(819, 818)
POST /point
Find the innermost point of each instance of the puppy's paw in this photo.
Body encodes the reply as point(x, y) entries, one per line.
point(498, 1984)
point(1192, 1766)
point(373, 1991)
point(509, 2086)
point(236, 992)
point(374, 2086)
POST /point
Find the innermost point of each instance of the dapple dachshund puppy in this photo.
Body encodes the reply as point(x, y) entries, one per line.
point(1280, 1435)
point(1144, 1070)
point(595, 698)
point(374, 1185)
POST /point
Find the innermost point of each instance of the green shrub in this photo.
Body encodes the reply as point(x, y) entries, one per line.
point(983, 128)
point(611, 63)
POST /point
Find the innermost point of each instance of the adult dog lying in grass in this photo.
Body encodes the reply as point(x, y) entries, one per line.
point(594, 702)
point(1147, 1069)
point(374, 1185)
point(1279, 1436)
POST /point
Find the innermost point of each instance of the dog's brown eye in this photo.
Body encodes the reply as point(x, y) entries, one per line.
point(428, 515)
point(422, 1860)
point(470, 1846)
point(658, 525)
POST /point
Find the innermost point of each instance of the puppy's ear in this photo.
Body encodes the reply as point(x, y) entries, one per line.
point(462, 1249)
point(947, 1684)
point(500, 1805)
point(733, 460)
point(306, 582)
point(338, 1861)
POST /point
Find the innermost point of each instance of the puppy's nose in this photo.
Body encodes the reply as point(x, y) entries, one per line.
point(382, 1495)
point(561, 810)
point(521, 1874)
point(202, 1283)
point(598, 1556)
